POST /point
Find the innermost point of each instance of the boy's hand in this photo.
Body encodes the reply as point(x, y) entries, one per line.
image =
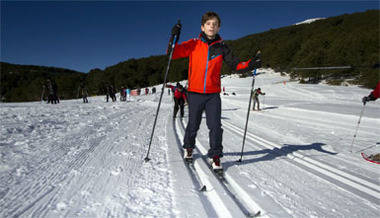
point(176, 30)
point(256, 61)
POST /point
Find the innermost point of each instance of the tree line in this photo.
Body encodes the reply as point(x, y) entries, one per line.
point(345, 40)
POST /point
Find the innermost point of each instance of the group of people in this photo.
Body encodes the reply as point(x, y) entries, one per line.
point(125, 94)
point(51, 89)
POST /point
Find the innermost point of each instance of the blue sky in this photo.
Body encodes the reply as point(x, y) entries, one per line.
point(83, 35)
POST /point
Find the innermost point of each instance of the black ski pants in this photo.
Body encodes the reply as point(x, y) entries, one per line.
point(211, 104)
point(179, 104)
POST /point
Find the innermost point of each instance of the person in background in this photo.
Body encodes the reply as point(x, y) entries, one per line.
point(179, 98)
point(255, 97)
point(375, 94)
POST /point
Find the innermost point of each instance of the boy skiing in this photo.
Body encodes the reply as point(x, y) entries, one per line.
point(206, 55)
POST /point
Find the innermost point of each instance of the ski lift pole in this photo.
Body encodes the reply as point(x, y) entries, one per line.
point(175, 40)
point(357, 127)
point(249, 109)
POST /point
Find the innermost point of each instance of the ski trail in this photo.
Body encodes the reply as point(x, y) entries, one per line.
point(97, 171)
point(371, 190)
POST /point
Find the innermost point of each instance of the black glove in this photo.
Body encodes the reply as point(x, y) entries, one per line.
point(176, 30)
point(255, 62)
point(365, 100)
point(368, 98)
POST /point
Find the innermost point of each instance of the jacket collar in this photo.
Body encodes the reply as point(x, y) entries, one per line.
point(204, 38)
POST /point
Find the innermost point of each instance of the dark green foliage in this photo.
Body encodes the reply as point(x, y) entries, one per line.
point(346, 40)
point(25, 82)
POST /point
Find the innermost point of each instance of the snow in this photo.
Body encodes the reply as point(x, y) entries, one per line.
point(310, 20)
point(87, 160)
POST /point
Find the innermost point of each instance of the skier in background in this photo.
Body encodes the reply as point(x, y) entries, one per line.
point(128, 93)
point(112, 93)
point(375, 94)
point(179, 98)
point(55, 92)
point(255, 97)
point(83, 91)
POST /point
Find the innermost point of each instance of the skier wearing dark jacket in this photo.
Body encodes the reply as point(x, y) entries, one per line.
point(179, 98)
point(206, 55)
point(375, 94)
point(255, 96)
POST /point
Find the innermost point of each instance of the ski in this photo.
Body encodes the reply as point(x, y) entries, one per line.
point(188, 160)
point(369, 158)
point(219, 174)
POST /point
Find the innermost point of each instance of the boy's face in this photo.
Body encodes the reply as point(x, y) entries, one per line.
point(211, 27)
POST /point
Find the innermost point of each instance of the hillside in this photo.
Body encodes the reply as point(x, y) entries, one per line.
point(346, 40)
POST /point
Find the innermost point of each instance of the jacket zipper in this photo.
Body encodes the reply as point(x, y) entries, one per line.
point(204, 86)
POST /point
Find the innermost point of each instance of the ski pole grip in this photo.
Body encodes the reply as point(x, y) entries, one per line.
point(177, 36)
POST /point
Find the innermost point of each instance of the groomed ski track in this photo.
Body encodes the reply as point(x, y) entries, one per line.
point(86, 160)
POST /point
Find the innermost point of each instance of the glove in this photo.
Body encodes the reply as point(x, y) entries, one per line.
point(365, 100)
point(368, 98)
point(176, 30)
point(255, 62)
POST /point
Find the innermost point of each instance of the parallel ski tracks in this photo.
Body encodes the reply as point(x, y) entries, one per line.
point(226, 196)
point(44, 183)
point(345, 180)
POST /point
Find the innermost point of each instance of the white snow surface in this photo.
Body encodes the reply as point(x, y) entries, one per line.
point(310, 20)
point(87, 160)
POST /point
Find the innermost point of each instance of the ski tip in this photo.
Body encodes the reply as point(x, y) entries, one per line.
point(219, 173)
point(189, 160)
point(257, 214)
point(203, 189)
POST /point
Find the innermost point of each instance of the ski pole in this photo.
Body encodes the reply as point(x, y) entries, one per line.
point(357, 127)
point(249, 109)
point(175, 40)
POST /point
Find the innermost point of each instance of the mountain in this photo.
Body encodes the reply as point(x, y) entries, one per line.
point(345, 40)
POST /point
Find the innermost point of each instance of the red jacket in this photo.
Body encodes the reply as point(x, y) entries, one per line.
point(205, 62)
point(177, 93)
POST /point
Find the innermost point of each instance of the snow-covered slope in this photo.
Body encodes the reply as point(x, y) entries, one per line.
point(309, 20)
point(87, 160)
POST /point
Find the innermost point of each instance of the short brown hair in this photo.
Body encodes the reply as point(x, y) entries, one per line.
point(209, 15)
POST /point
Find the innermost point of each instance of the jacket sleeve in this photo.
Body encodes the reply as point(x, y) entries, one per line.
point(376, 92)
point(234, 62)
point(184, 49)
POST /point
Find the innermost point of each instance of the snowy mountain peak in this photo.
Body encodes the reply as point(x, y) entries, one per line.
point(310, 20)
